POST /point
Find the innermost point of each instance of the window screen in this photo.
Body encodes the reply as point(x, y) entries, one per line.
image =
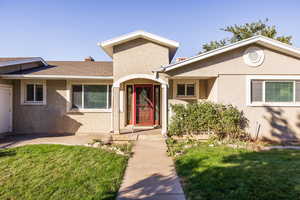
point(34, 92)
point(30, 92)
point(38, 92)
point(180, 89)
point(190, 89)
point(256, 91)
point(279, 91)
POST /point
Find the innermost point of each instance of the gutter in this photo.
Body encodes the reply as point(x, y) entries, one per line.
point(28, 76)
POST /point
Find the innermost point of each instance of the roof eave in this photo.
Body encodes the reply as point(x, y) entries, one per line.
point(25, 61)
point(108, 45)
point(55, 77)
point(256, 39)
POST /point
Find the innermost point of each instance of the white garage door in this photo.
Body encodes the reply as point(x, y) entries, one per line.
point(5, 109)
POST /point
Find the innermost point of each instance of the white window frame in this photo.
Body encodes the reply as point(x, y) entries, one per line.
point(24, 84)
point(270, 78)
point(186, 82)
point(69, 96)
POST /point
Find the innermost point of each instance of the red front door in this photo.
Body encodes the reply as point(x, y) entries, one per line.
point(143, 105)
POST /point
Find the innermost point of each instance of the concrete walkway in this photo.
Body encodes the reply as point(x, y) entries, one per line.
point(150, 173)
point(21, 140)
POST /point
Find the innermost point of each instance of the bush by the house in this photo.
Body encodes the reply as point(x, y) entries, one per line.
point(222, 121)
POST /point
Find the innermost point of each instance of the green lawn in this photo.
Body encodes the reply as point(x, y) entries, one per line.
point(228, 174)
point(59, 172)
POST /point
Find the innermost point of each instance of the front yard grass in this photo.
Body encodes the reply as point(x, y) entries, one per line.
point(225, 173)
point(60, 172)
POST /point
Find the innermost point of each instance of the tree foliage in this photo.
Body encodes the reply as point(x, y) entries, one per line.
point(247, 30)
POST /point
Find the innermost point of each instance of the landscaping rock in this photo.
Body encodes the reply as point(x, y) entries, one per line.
point(107, 139)
point(97, 144)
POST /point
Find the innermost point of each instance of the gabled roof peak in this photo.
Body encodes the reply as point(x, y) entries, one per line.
point(107, 45)
point(258, 39)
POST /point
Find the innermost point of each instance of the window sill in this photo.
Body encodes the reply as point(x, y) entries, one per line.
point(32, 103)
point(90, 111)
point(274, 104)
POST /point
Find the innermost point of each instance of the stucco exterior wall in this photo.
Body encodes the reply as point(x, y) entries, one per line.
point(232, 62)
point(138, 56)
point(229, 87)
point(275, 123)
point(53, 117)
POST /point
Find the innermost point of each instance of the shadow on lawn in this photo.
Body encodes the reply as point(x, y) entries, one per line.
point(245, 176)
point(6, 152)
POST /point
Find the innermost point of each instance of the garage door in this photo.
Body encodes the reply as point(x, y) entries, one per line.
point(5, 109)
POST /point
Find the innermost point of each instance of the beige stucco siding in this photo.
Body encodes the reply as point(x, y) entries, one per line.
point(232, 63)
point(275, 122)
point(53, 117)
point(133, 58)
point(138, 56)
point(229, 87)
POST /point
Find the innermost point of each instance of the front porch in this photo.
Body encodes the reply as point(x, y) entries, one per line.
point(139, 103)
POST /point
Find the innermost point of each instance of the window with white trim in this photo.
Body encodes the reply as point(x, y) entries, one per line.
point(33, 92)
point(275, 92)
point(186, 90)
point(89, 96)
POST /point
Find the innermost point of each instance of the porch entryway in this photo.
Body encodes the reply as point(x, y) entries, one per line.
point(139, 101)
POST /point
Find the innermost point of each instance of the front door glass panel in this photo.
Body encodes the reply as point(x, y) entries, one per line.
point(144, 105)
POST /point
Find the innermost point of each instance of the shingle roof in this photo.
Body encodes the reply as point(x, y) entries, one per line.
point(72, 68)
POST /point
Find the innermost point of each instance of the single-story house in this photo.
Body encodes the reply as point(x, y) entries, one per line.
point(259, 75)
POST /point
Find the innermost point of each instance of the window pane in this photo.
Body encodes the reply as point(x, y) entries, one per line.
point(77, 96)
point(30, 92)
point(279, 91)
point(297, 91)
point(256, 91)
point(129, 103)
point(39, 92)
point(95, 96)
point(109, 95)
point(180, 89)
point(190, 89)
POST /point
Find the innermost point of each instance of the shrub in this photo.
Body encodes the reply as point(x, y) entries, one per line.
point(208, 118)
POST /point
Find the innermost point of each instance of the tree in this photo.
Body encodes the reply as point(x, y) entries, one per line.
point(244, 31)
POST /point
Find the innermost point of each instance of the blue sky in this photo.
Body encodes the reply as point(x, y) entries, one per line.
point(70, 29)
